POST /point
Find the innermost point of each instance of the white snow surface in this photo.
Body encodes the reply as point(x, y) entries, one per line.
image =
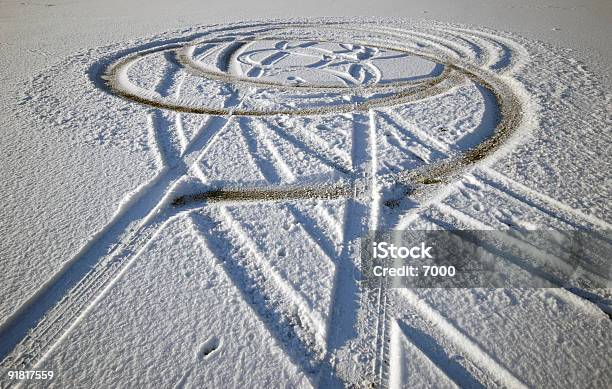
point(264, 293)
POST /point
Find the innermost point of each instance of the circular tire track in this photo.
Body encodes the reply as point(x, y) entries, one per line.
point(455, 73)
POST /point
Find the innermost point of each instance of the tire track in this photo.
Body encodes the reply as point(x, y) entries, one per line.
point(514, 189)
point(462, 341)
point(58, 304)
point(587, 300)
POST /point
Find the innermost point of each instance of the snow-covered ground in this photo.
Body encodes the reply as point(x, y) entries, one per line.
point(184, 200)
